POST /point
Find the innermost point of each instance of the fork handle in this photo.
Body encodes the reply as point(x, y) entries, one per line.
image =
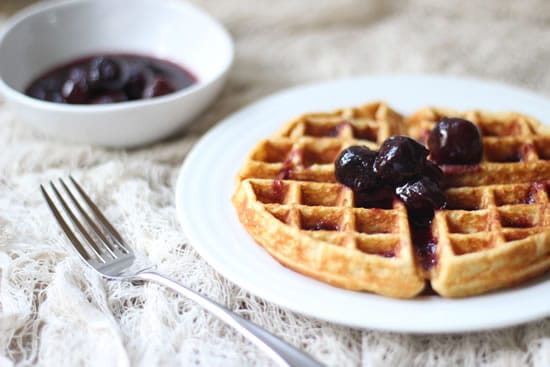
point(281, 352)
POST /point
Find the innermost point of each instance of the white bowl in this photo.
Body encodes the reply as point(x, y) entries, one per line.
point(52, 33)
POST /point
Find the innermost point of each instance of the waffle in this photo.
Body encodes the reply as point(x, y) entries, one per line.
point(494, 232)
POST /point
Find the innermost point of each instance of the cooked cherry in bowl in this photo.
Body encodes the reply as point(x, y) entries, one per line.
point(110, 78)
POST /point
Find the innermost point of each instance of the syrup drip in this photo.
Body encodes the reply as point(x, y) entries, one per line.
point(277, 187)
point(428, 290)
point(425, 245)
point(532, 194)
point(284, 174)
point(288, 165)
point(286, 171)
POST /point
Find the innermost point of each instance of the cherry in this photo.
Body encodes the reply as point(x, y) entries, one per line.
point(432, 171)
point(78, 74)
point(51, 84)
point(46, 89)
point(354, 168)
point(421, 194)
point(75, 89)
point(106, 73)
point(37, 91)
point(399, 158)
point(455, 141)
point(73, 92)
point(109, 78)
point(54, 97)
point(158, 87)
point(139, 77)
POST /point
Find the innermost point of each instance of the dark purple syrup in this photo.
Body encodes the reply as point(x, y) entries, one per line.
point(388, 254)
point(533, 190)
point(110, 78)
point(277, 187)
point(322, 226)
point(288, 165)
point(379, 199)
point(425, 245)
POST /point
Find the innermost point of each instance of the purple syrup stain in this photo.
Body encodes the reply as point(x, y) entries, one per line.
point(388, 254)
point(428, 290)
point(425, 245)
point(288, 165)
point(322, 226)
point(286, 171)
point(516, 222)
point(531, 197)
point(277, 187)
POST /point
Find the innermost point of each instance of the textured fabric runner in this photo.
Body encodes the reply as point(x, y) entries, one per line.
point(55, 312)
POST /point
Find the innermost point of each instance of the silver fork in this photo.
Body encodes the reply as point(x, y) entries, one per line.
point(101, 246)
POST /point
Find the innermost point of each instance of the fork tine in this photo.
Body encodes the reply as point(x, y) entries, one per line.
point(108, 226)
point(66, 228)
point(106, 243)
point(77, 223)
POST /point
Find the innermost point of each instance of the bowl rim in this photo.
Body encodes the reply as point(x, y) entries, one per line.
point(24, 14)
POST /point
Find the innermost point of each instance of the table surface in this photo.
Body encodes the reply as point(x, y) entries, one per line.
point(53, 311)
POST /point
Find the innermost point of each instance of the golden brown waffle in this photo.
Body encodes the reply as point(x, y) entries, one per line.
point(494, 233)
point(491, 237)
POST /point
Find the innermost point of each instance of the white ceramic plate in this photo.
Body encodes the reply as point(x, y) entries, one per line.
point(206, 183)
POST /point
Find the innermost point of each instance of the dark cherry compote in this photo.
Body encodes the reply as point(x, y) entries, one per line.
point(110, 78)
point(404, 169)
point(400, 169)
point(455, 141)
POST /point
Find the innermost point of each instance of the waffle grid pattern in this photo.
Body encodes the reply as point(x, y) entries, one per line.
point(489, 217)
point(329, 211)
point(306, 148)
point(495, 231)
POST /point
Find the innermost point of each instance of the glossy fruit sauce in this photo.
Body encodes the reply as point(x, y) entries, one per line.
point(110, 78)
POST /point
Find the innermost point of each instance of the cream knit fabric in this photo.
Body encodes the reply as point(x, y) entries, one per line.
point(55, 312)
